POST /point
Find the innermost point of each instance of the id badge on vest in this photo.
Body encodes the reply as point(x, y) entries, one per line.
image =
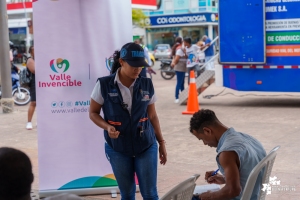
point(145, 95)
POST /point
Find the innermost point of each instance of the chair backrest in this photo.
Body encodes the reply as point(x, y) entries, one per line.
point(266, 163)
point(182, 191)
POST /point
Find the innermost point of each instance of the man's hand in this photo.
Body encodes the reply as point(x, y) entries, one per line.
point(112, 132)
point(217, 179)
point(162, 153)
point(206, 196)
point(229, 161)
point(172, 65)
point(150, 70)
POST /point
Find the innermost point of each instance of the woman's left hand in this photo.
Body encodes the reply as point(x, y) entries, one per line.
point(162, 153)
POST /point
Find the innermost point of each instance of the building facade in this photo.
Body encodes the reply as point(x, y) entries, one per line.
point(19, 14)
point(185, 18)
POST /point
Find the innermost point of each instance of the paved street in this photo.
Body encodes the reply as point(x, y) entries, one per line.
point(272, 120)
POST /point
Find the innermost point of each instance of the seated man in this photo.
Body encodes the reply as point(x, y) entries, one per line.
point(237, 155)
point(15, 175)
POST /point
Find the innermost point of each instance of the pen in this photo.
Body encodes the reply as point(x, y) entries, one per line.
point(215, 172)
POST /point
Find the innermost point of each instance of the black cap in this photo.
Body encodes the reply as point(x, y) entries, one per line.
point(134, 55)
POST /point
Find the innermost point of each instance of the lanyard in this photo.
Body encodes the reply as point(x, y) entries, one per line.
point(124, 106)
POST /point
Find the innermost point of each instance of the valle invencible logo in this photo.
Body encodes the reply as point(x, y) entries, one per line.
point(60, 78)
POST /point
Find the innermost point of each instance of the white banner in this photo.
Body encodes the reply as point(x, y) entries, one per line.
point(72, 40)
point(283, 25)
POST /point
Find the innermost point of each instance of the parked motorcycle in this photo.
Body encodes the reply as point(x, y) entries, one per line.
point(149, 72)
point(166, 71)
point(20, 94)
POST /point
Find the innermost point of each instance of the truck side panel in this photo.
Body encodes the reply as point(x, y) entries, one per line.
point(266, 79)
point(281, 72)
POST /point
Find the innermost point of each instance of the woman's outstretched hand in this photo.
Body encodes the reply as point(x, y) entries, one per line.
point(112, 132)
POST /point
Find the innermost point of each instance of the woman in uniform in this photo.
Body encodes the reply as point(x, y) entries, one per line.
point(130, 123)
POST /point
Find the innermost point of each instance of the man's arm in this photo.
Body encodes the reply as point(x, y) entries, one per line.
point(175, 60)
point(207, 43)
point(31, 65)
point(146, 52)
point(11, 55)
point(230, 162)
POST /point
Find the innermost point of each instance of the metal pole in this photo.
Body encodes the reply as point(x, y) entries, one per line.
point(7, 102)
point(26, 16)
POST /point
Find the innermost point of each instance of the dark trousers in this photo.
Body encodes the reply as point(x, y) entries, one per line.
point(145, 167)
point(180, 83)
point(196, 69)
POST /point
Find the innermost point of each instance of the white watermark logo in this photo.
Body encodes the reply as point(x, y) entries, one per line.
point(274, 185)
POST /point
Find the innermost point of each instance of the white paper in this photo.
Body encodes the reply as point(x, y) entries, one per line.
point(199, 189)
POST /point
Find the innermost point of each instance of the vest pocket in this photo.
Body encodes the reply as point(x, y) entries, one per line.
point(145, 133)
point(143, 119)
point(118, 122)
point(118, 144)
point(146, 139)
point(114, 123)
point(143, 127)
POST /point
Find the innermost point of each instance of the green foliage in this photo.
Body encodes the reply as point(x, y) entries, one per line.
point(138, 18)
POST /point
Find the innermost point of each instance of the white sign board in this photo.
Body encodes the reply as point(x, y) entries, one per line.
point(72, 40)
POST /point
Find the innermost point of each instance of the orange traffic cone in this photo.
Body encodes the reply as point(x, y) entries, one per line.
point(192, 103)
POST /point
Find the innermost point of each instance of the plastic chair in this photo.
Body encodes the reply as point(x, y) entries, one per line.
point(182, 191)
point(266, 163)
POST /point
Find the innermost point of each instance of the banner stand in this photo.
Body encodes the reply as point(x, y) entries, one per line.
point(70, 58)
point(83, 191)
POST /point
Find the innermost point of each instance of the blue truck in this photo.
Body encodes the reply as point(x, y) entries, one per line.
point(260, 45)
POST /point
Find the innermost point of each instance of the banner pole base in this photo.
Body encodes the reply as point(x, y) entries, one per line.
point(114, 194)
point(84, 191)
